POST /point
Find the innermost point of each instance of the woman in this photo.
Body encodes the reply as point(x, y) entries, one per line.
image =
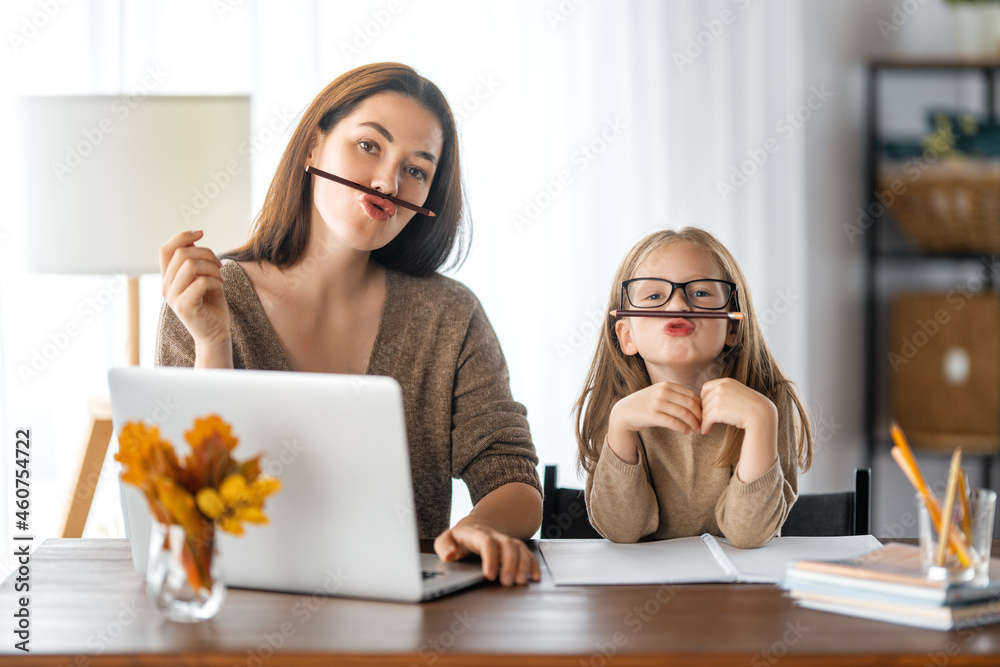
point(334, 280)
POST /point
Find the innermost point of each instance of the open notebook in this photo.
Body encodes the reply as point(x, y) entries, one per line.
point(690, 559)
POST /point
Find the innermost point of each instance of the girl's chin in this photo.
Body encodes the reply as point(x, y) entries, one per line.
point(691, 362)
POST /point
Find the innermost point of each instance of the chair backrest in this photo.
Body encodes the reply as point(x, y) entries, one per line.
point(824, 514)
point(564, 512)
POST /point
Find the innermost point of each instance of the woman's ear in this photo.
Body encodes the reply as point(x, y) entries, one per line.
point(625, 340)
point(313, 143)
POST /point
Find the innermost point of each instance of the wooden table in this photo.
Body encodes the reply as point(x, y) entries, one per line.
point(89, 608)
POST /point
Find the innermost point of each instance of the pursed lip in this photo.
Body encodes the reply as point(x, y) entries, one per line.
point(377, 207)
point(678, 326)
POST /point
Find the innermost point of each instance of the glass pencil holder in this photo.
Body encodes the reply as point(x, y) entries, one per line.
point(967, 559)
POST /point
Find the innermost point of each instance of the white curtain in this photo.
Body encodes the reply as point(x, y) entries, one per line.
point(584, 125)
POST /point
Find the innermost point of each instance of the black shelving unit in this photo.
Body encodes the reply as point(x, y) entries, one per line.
point(885, 246)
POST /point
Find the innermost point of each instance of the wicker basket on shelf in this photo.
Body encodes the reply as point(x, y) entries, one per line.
point(949, 206)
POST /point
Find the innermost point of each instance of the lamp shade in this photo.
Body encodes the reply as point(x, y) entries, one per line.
point(108, 179)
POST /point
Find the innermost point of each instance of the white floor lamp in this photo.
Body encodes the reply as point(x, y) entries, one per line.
point(107, 180)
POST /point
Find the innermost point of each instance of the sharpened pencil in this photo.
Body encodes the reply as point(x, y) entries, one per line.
point(357, 186)
point(933, 508)
point(964, 493)
point(673, 313)
point(949, 506)
point(908, 463)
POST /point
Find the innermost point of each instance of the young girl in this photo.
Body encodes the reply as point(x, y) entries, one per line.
point(687, 426)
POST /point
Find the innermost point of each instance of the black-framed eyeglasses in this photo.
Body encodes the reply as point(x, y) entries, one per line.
point(704, 294)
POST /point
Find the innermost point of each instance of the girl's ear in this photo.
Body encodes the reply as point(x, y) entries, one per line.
point(731, 337)
point(625, 340)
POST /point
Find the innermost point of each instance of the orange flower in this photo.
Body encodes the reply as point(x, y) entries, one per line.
point(211, 428)
point(209, 462)
point(210, 487)
point(237, 501)
point(141, 450)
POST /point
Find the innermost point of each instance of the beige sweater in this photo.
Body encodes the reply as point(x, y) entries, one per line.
point(676, 490)
point(436, 341)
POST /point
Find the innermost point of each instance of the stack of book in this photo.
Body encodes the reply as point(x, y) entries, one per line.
point(889, 585)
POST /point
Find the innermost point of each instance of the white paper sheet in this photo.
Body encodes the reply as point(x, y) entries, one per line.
point(688, 559)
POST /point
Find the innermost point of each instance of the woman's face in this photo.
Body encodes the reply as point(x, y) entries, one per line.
point(390, 143)
point(689, 345)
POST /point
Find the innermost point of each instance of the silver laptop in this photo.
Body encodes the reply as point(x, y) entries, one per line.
point(343, 522)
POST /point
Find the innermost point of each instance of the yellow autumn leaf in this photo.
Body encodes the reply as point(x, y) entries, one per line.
point(210, 503)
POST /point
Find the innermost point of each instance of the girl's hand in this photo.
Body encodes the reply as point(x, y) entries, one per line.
point(192, 287)
point(663, 404)
point(504, 557)
point(729, 401)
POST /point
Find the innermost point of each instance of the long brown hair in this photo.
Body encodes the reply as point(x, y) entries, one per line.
point(614, 375)
point(281, 230)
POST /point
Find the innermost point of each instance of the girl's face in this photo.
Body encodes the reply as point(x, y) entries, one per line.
point(676, 346)
point(390, 143)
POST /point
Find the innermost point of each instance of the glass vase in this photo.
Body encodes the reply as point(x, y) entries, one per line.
point(184, 573)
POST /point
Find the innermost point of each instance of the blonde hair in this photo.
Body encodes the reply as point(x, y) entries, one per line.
point(614, 375)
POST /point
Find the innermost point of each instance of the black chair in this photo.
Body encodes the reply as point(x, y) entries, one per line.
point(824, 514)
point(564, 511)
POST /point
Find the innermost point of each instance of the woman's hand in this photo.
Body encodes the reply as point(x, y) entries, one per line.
point(663, 404)
point(192, 286)
point(502, 555)
point(728, 401)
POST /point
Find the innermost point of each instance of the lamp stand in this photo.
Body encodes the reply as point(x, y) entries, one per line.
point(96, 448)
point(133, 320)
